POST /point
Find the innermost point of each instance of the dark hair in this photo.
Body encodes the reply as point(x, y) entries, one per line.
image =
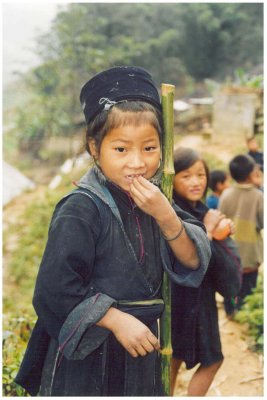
point(241, 166)
point(121, 114)
point(216, 176)
point(184, 158)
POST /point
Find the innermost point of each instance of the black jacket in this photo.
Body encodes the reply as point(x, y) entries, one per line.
point(88, 265)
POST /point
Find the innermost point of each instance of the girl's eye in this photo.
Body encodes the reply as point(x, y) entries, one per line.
point(150, 148)
point(120, 149)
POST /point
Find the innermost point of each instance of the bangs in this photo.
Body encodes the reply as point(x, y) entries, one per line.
point(118, 118)
point(134, 113)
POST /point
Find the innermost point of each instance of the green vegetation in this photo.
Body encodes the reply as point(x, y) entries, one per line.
point(30, 234)
point(198, 41)
point(252, 314)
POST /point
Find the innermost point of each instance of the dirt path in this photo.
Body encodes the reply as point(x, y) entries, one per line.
point(214, 147)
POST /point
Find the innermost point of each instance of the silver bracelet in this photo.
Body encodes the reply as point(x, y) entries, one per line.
point(177, 235)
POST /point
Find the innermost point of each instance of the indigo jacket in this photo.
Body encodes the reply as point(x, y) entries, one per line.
point(89, 265)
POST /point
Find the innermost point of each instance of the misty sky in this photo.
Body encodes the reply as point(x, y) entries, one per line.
point(22, 22)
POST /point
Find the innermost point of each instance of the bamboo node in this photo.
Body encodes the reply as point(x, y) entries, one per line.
point(166, 352)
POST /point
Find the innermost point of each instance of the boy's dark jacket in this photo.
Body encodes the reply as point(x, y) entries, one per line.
point(93, 269)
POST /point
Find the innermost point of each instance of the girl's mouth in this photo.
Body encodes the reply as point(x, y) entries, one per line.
point(131, 177)
point(195, 191)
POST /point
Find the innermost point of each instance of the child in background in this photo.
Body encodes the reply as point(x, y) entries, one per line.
point(98, 290)
point(243, 203)
point(218, 181)
point(257, 178)
point(195, 330)
point(253, 151)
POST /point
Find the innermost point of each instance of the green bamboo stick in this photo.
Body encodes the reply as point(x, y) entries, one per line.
point(167, 98)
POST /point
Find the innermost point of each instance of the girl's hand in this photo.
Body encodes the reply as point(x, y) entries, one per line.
point(132, 334)
point(232, 227)
point(212, 219)
point(149, 198)
point(223, 229)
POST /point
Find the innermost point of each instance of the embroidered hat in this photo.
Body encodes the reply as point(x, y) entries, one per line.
point(115, 85)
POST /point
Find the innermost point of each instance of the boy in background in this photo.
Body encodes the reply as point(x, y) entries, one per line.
point(243, 203)
point(218, 181)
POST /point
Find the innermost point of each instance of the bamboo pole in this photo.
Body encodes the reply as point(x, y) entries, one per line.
point(167, 98)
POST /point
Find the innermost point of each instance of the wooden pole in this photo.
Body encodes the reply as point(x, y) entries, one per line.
point(167, 98)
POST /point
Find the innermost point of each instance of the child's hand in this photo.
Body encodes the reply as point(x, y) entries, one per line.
point(148, 197)
point(132, 334)
point(223, 229)
point(212, 219)
point(135, 336)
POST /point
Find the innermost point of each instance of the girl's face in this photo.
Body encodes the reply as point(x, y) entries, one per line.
point(128, 151)
point(191, 182)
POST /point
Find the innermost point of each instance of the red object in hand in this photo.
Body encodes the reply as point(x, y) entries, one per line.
point(222, 230)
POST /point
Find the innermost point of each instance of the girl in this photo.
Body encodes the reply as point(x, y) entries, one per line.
point(195, 331)
point(98, 290)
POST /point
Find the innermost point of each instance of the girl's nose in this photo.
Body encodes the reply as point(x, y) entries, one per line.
point(195, 180)
point(136, 160)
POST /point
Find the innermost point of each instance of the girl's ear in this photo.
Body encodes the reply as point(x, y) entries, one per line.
point(92, 147)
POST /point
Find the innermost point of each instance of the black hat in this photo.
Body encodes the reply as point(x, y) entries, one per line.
point(115, 85)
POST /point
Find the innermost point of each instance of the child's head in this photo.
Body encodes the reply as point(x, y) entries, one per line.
point(257, 177)
point(124, 123)
point(241, 167)
point(252, 144)
point(218, 181)
point(191, 175)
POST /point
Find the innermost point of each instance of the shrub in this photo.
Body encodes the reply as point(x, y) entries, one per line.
point(252, 314)
point(15, 339)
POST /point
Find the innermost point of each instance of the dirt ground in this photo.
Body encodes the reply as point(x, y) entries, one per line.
point(221, 148)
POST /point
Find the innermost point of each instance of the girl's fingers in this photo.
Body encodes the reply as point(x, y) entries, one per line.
point(154, 341)
point(141, 350)
point(146, 347)
point(144, 182)
point(134, 353)
point(140, 184)
point(136, 194)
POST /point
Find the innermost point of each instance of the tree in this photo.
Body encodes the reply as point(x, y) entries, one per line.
point(196, 40)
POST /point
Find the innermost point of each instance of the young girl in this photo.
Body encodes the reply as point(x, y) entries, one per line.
point(195, 331)
point(98, 290)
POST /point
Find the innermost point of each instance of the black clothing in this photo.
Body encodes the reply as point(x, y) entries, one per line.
point(143, 233)
point(257, 157)
point(195, 330)
point(115, 85)
point(92, 262)
point(249, 282)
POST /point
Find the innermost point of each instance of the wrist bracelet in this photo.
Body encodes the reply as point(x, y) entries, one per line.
point(177, 235)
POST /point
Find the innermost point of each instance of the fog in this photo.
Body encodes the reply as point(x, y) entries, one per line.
point(22, 23)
